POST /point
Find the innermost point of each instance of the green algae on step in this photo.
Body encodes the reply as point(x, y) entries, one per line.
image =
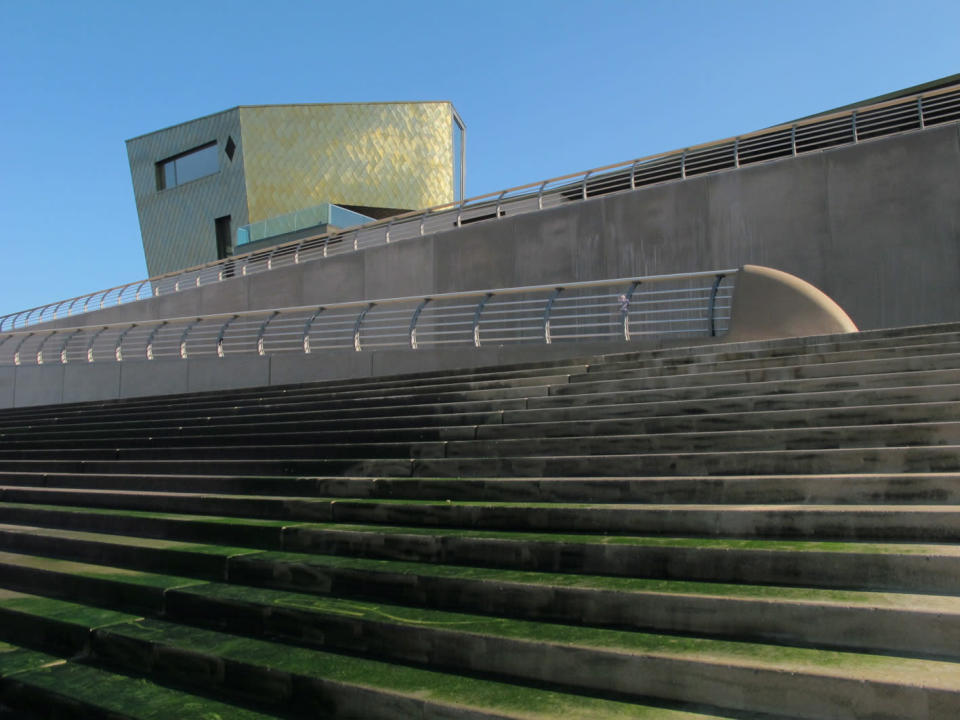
point(389, 690)
point(77, 690)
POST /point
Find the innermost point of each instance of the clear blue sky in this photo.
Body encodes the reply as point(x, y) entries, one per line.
point(545, 87)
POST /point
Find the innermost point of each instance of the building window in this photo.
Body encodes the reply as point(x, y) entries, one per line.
point(183, 168)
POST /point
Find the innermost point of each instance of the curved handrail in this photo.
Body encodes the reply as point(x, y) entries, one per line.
point(595, 309)
point(843, 127)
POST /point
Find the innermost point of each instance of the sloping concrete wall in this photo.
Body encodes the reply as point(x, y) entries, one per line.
point(876, 226)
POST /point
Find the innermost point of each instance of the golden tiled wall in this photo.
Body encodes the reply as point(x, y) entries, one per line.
point(394, 155)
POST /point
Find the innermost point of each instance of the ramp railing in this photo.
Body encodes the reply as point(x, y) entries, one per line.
point(846, 127)
point(624, 309)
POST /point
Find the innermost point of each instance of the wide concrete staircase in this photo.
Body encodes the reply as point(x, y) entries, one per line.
point(761, 530)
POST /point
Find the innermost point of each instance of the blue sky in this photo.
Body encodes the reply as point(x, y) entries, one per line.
point(545, 88)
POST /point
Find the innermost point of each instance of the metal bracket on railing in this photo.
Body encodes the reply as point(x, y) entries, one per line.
point(92, 341)
point(26, 320)
point(56, 308)
point(633, 175)
point(356, 240)
point(920, 112)
point(713, 304)
point(413, 322)
point(139, 288)
point(357, 324)
point(386, 233)
point(16, 351)
point(183, 338)
point(40, 347)
point(583, 188)
point(153, 334)
point(63, 348)
point(683, 165)
point(476, 318)
point(540, 195)
point(263, 329)
point(459, 222)
point(223, 331)
point(196, 282)
point(793, 139)
point(625, 309)
point(306, 330)
point(546, 315)
point(500, 202)
point(736, 152)
point(423, 219)
point(326, 241)
point(70, 307)
point(118, 348)
point(270, 259)
point(296, 253)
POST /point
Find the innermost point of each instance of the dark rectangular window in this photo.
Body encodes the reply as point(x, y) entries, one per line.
point(191, 165)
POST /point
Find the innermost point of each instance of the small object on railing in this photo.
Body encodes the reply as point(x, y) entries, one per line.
point(263, 329)
point(546, 315)
point(183, 338)
point(16, 351)
point(476, 318)
point(223, 329)
point(306, 330)
point(63, 348)
point(413, 322)
point(357, 324)
point(153, 334)
point(93, 339)
point(713, 304)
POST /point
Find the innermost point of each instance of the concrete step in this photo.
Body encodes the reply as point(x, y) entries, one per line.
point(827, 488)
point(613, 369)
point(285, 678)
point(592, 441)
point(937, 459)
point(937, 523)
point(814, 562)
point(42, 685)
point(305, 431)
point(922, 626)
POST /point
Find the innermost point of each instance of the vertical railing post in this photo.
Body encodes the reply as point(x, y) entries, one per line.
point(625, 309)
point(793, 139)
point(476, 318)
point(546, 315)
point(306, 330)
point(183, 338)
point(356, 327)
point(263, 330)
point(853, 125)
point(711, 310)
point(920, 111)
point(148, 349)
point(220, 335)
point(413, 323)
point(118, 348)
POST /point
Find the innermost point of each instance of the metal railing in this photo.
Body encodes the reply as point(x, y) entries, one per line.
point(623, 309)
point(845, 127)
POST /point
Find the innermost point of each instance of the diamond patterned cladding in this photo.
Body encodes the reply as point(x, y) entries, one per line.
point(397, 155)
point(177, 224)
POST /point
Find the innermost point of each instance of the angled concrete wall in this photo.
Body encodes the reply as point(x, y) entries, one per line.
point(876, 226)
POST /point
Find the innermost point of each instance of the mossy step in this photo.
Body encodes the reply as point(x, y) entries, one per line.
point(849, 488)
point(252, 532)
point(878, 686)
point(938, 523)
point(886, 622)
point(151, 554)
point(47, 686)
point(869, 566)
point(292, 678)
point(99, 584)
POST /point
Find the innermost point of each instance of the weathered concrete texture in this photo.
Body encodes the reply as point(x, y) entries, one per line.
point(875, 226)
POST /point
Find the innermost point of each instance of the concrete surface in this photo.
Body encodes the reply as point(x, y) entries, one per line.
point(876, 226)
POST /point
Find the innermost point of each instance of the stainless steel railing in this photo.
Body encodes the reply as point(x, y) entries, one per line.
point(693, 304)
point(782, 141)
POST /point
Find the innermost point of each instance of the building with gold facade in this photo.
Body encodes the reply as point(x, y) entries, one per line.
point(198, 183)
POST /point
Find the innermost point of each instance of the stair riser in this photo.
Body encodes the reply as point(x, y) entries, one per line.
point(871, 571)
point(925, 489)
point(901, 524)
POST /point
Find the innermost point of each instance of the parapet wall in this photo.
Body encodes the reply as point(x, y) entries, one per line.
point(876, 226)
